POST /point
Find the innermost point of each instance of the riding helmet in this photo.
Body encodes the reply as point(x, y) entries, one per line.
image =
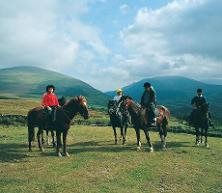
point(147, 84)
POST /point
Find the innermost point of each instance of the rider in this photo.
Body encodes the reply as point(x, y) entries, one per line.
point(197, 103)
point(119, 94)
point(148, 101)
point(198, 100)
point(50, 101)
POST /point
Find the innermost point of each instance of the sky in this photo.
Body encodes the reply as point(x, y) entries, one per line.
point(112, 43)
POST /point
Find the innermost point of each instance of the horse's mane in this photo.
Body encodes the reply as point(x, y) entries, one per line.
point(75, 100)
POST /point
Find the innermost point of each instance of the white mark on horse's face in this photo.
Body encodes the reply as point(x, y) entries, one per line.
point(84, 103)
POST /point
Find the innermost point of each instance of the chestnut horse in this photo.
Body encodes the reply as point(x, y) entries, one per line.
point(38, 117)
point(139, 121)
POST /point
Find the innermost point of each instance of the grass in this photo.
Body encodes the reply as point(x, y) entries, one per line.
point(97, 165)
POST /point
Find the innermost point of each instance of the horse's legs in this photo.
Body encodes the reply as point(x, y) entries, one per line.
point(197, 136)
point(138, 139)
point(201, 134)
point(115, 134)
point(162, 136)
point(39, 135)
point(53, 138)
point(58, 139)
point(47, 137)
point(124, 133)
point(205, 135)
point(31, 136)
point(148, 138)
point(64, 143)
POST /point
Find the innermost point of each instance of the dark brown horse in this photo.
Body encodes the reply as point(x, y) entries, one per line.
point(119, 117)
point(38, 117)
point(200, 120)
point(139, 121)
point(62, 101)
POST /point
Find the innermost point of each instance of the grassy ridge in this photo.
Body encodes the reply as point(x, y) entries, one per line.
point(98, 116)
point(30, 82)
point(96, 165)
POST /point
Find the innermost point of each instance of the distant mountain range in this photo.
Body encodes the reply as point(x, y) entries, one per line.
point(30, 82)
point(176, 93)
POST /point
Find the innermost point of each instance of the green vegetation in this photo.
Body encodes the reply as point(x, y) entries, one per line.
point(30, 82)
point(176, 92)
point(96, 165)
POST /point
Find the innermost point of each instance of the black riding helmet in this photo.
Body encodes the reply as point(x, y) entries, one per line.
point(147, 84)
point(50, 86)
point(199, 90)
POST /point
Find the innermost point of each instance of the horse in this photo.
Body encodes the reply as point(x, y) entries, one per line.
point(61, 101)
point(139, 121)
point(37, 117)
point(162, 121)
point(200, 120)
point(119, 117)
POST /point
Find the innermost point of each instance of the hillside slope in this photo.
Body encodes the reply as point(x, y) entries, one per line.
point(176, 92)
point(30, 82)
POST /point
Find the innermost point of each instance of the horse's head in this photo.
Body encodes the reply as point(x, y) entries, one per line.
point(62, 101)
point(204, 108)
point(127, 101)
point(83, 107)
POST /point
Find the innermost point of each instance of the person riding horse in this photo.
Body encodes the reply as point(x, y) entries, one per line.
point(119, 117)
point(119, 94)
point(200, 116)
point(148, 101)
point(197, 102)
point(50, 101)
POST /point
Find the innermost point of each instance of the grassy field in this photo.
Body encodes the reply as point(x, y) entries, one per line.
point(97, 165)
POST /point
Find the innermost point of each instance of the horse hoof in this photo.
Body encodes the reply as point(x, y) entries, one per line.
point(67, 154)
point(42, 150)
point(164, 148)
point(151, 149)
point(115, 142)
point(59, 154)
point(138, 148)
point(207, 145)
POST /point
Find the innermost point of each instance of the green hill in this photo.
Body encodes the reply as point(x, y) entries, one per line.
point(30, 82)
point(176, 92)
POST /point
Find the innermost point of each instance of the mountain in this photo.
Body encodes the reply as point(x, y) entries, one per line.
point(30, 82)
point(176, 93)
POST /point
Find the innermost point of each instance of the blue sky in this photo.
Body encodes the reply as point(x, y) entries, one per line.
point(112, 43)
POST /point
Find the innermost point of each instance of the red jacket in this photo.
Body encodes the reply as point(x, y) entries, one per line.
point(49, 99)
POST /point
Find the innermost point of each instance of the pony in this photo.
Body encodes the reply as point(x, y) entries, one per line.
point(119, 117)
point(62, 101)
point(38, 117)
point(200, 120)
point(139, 121)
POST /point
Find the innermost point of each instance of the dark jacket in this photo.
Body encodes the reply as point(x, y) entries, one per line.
point(148, 98)
point(198, 101)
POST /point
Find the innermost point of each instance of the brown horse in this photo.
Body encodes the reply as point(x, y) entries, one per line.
point(38, 117)
point(139, 121)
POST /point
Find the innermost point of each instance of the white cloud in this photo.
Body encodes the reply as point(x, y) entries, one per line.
point(182, 38)
point(46, 33)
point(124, 8)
